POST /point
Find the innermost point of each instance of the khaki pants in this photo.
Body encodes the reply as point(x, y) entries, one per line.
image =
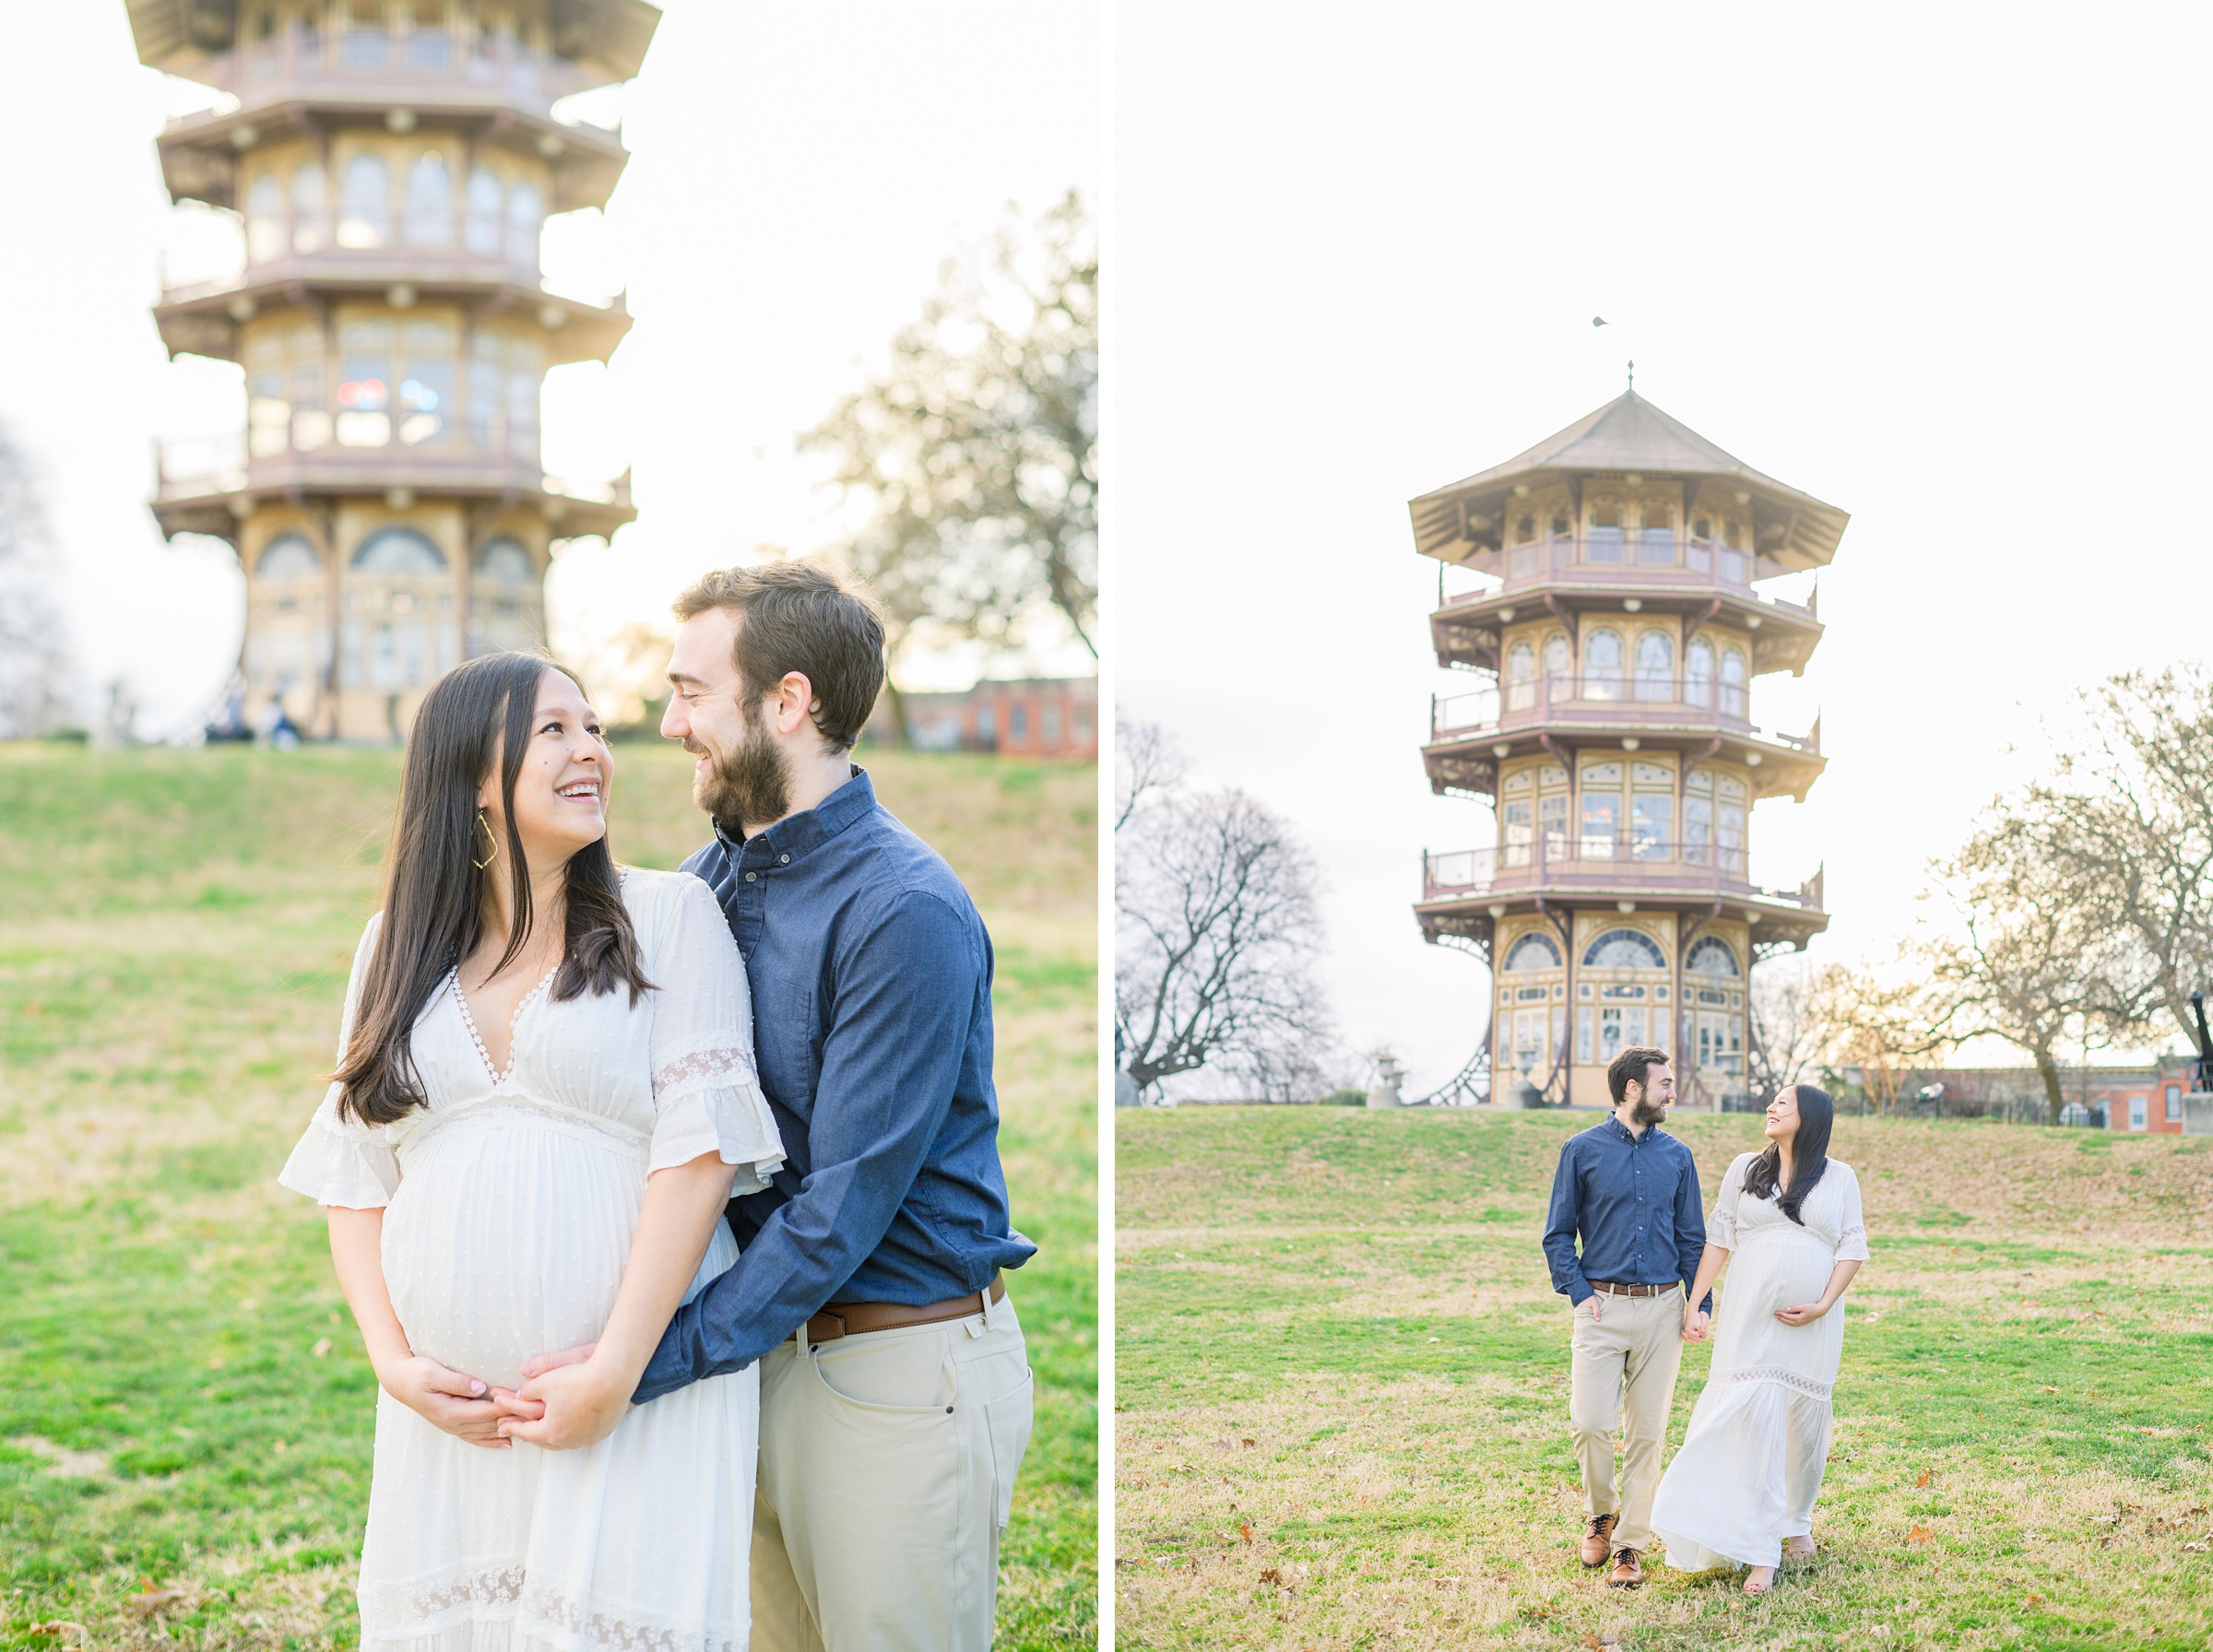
point(1623, 1371)
point(887, 1469)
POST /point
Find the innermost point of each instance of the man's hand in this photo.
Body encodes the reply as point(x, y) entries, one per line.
point(1598, 1301)
point(462, 1406)
point(1694, 1321)
point(1805, 1313)
point(582, 1404)
point(538, 1364)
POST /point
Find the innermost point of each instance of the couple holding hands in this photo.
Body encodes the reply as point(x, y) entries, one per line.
point(670, 1203)
point(1742, 1484)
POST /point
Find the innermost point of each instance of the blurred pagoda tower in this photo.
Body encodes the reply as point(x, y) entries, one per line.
point(393, 162)
point(1615, 630)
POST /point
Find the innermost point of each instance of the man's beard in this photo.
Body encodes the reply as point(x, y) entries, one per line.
point(1648, 1111)
point(750, 782)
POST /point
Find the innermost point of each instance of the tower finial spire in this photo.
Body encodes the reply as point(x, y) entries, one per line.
point(1632, 375)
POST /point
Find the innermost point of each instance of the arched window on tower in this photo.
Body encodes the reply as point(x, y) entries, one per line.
point(1698, 818)
point(365, 203)
point(367, 46)
point(1603, 540)
point(365, 384)
point(265, 219)
point(486, 204)
point(1531, 1005)
point(311, 209)
point(1651, 811)
point(1602, 666)
point(430, 47)
point(1619, 1005)
point(1516, 818)
point(1599, 786)
point(398, 550)
point(1732, 683)
point(406, 639)
point(503, 604)
point(426, 382)
point(1656, 538)
point(525, 219)
point(1698, 673)
point(1624, 950)
point(430, 221)
point(1729, 800)
point(1712, 982)
point(1521, 678)
point(1559, 669)
point(1655, 666)
point(288, 556)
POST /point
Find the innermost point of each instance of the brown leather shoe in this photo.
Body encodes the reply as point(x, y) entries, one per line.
point(1628, 1571)
point(1597, 1541)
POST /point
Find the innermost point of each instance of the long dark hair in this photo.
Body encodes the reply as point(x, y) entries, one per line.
point(435, 894)
point(1809, 1154)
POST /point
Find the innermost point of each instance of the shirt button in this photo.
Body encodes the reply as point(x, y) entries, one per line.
point(751, 876)
point(783, 860)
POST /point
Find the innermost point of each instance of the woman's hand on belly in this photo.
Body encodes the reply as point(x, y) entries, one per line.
point(461, 1406)
point(577, 1405)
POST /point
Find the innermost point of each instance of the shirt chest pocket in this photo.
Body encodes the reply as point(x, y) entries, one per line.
point(788, 1040)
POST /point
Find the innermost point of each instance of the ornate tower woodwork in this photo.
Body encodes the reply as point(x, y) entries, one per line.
point(1614, 637)
point(392, 164)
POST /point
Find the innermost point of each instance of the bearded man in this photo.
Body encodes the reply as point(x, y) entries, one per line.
point(895, 1381)
point(1631, 1192)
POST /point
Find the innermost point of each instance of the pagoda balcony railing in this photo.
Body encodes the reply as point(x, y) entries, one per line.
point(406, 254)
point(373, 65)
point(1627, 556)
point(200, 467)
point(1605, 698)
point(1603, 862)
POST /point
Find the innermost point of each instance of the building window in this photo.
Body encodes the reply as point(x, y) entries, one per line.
point(1624, 950)
point(1049, 724)
point(1651, 811)
point(428, 45)
point(524, 218)
point(365, 203)
point(398, 551)
point(1656, 538)
point(1713, 957)
point(504, 609)
point(1018, 722)
point(365, 45)
point(1532, 952)
point(485, 205)
point(1600, 793)
point(288, 556)
point(265, 219)
point(487, 390)
point(1603, 541)
point(309, 209)
point(1655, 666)
point(526, 367)
point(2174, 1103)
point(1521, 678)
point(1083, 723)
point(366, 385)
point(1602, 666)
point(430, 216)
point(1732, 683)
point(426, 382)
point(1698, 673)
point(2135, 1113)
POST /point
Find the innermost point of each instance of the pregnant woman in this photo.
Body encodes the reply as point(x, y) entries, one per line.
point(545, 1090)
point(1750, 1467)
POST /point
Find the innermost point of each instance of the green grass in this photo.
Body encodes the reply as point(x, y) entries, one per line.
point(1343, 1380)
point(184, 1400)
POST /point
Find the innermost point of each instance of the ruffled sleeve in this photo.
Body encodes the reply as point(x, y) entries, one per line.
point(341, 1161)
point(1721, 1226)
point(1852, 1230)
point(707, 1090)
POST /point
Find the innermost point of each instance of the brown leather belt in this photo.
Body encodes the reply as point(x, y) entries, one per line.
point(1612, 1289)
point(853, 1318)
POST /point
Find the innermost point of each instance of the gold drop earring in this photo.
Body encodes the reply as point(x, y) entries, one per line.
point(490, 843)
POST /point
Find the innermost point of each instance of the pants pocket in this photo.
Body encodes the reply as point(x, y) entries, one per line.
point(1008, 1420)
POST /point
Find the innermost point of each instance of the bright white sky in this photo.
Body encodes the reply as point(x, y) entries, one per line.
point(1941, 267)
point(797, 175)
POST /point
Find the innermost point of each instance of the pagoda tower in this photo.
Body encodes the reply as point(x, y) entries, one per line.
point(393, 162)
point(1616, 633)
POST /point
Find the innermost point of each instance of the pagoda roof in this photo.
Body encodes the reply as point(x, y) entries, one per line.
point(1631, 436)
point(175, 36)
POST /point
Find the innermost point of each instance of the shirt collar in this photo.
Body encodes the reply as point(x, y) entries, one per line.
point(794, 836)
point(1623, 1133)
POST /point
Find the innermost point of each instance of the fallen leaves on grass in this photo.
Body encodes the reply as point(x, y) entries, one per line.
point(1925, 1476)
point(1245, 1530)
point(62, 1627)
point(150, 1601)
point(1920, 1534)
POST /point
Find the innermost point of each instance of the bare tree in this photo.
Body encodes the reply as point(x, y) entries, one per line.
point(2125, 823)
point(1147, 764)
point(33, 663)
point(1879, 1017)
point(975, 450)
point(1216, 924)
point(2031, 962)
point(1786, 1034)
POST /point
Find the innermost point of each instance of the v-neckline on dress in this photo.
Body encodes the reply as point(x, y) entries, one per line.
point(499, 1076)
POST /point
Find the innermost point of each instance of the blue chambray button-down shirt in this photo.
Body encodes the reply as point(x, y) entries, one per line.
point(1635, 1201)
point(872, 986)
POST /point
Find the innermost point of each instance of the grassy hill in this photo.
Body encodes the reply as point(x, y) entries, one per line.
point(185, 1405)
point(1343, 1379)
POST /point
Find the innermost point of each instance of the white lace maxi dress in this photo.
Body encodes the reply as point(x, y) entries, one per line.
point(1750, 1464)
point(510, 1204)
